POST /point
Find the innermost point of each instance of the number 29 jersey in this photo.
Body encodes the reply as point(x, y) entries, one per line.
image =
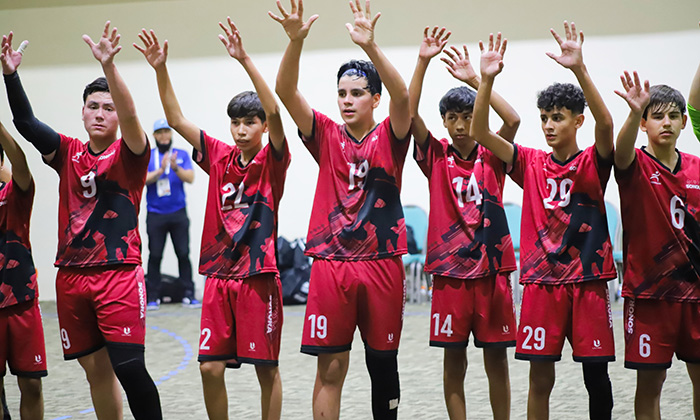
point(240, 222)
point(99, 202)
point(468, 235)
point(564, 232)
point(357, 213)
point(661, 231)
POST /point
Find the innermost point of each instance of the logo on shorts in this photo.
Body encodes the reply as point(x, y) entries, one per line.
point(127, 332)
point(630, 317)
point(506, 329)
point(37, 359)
point(142, 301)
point(252, 346)
point(390, 338)
point(596, 344)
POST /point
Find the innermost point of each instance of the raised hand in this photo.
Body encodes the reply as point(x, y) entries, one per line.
point(492, 59)
point(232, 41)
point(571, 56)
point(152, 51)
point(433, 42)
point(106, 47)
point(362, 32)
point(10, 58)
point(293, 22)
point(636, 95)
point(459, 65)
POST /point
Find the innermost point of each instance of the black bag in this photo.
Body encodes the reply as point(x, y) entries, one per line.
point(171, 289)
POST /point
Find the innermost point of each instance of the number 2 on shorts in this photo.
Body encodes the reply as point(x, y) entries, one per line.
point(537, 334)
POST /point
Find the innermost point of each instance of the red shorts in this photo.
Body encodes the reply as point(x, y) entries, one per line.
point(346, 294)
point(242, 320)
point(22, 340)
point(98, 306)
point(655, 329)
point(579, 312)
point(483, 307)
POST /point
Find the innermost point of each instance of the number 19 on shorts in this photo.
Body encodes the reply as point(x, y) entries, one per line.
point(318, 326)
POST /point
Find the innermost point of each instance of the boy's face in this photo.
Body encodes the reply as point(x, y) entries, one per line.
point(458, 124)
point(247, 132)
point(100, 116)
point(663, 125)
point(355, 101)
point(559, 126)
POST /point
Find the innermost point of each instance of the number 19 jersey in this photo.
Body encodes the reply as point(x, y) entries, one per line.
point(357, 212)
point(661, 231)
point(240, 223)
point(564, 232)
point(468, 235)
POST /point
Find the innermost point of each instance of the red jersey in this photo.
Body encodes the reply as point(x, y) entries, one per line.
point(17, 272)
point(661, 234)
point(99, 201)
point(357, 213)
point(468, 235)
point(564, 232)
point(240, 222)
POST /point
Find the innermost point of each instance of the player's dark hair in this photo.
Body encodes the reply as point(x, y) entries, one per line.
point(362, 68)
point(458, 99)
point(562, 95)
point(97, 85)
point(246, 104)
point(662, 98)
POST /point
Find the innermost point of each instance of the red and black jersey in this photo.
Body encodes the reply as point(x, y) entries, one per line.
point(99, 202)
point(661, 234)
point(468, 235)
point(564, 232)
point(357, 212)
point(17, 271)
point(240, 222)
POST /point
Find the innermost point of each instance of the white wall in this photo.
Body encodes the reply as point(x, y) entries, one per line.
point(204, 87)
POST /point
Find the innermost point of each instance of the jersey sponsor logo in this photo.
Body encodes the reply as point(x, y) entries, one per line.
point(692, 186)
point(655, 178)
point(76, 157)
point(37, 359)
point(596, 345)
point(630, 318)
point(107, 156)
point(127, 332)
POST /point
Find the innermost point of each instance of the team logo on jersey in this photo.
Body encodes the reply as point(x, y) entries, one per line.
point(3, 202)
point(451, 161)
point(596, 344)
point(506, 329)
point(375, 137)
point(252, 346)
point(76, 157)
point(127, 332)
point(573, 167)
point(342, 145)
point(390, 338)
point(655, 178)
point(37, 359)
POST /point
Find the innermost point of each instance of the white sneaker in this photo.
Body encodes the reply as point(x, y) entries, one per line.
point(191, 303)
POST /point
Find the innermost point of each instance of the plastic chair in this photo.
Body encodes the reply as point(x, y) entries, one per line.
point(514, 217)
point(416, 290)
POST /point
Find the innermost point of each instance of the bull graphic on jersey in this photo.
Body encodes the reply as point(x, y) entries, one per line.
point(17, 270)
point(257, 227)
point(491, 237)
point(113, 216)
point(583, 240)
point(379, 215)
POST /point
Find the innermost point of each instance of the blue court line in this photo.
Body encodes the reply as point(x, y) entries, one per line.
point(186, 347)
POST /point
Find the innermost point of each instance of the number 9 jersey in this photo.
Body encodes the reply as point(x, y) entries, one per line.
point(661, 241)
point(564, 233)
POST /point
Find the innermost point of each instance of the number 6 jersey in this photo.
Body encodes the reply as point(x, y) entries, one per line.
point(661, 239)
point(240, 222)
point(564, 233)
point(468, 233)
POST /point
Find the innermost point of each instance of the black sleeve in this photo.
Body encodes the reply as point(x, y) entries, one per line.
point(43, 137)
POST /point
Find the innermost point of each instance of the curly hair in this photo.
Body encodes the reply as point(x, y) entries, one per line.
point(562, 95)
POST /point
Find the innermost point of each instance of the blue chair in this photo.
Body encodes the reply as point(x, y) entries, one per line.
point(614, 230)
point(417, 219)
point(514, 217)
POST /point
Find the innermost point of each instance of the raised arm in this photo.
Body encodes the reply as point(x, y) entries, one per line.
point(43, 137)
point(288, 75)
point(637, 97)
point(234, 45)
point(460, 67)
point(433, 43)
point(157, 57)
point(20, 170)
point(572, 58)
point(104, 51)
point(362, 34)
point(694, 101)
point(491, 66)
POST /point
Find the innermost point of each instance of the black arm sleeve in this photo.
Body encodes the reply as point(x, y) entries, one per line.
point(43, 137)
